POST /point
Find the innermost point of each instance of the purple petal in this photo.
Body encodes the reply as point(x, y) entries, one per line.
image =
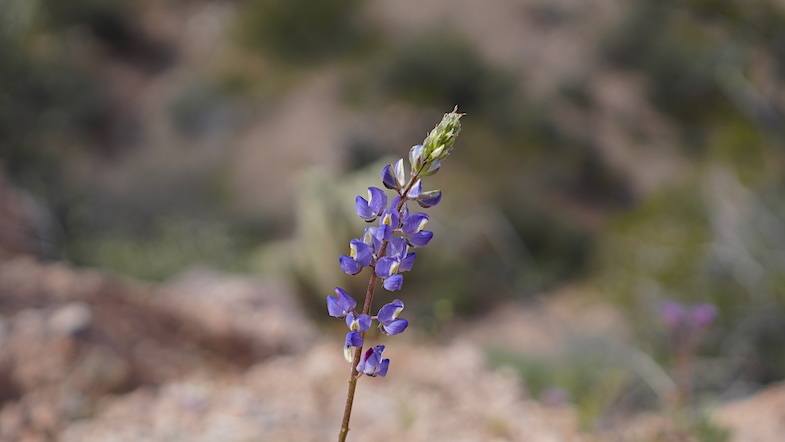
point(421, 239)
point(381, 233)
point(393, 283)
point(397, 248)
point(360, 252)
point(407, 263)
point(377, 200)
point(383, 367)
point(386, 267)
point(430, 198)
point(415, 190)
point(391, 218)
point(370, 362)
point(353, 339)
point(394, 202)
point(395, 326)
point(390, 311)
point(341, 304)
point(364, 211)
point(349, 265)
point(415, 223)
point(361, 322)
point(388, 179)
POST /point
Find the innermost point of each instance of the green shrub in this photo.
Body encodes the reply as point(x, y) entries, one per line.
point(444, 69)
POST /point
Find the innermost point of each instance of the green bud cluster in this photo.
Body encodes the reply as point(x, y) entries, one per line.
point(439, 143)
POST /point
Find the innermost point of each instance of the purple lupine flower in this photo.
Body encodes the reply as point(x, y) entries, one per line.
point(388, 178)
point(387, 269)
point(413, 228)
point(430, 198)
point(397, 248)
point(389, 322)
point(385, 247)
point(341, 304)
point(421, 239)
point(680, 317)
point(407, 262)
point(372, 364)
point(372, 207)
point(361, 322)
point(390, 217)
point(354, 339)
point(360, 255)
point(393, 283)
point(397, 260)
point(702, 315)
point(415, 190)
point(358, 324)
point(415, 222)
point(349, 266)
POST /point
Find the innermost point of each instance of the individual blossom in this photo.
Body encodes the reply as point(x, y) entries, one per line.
point(388, 178)
point(397, 260)
point(389, 221)
point(372, 364)
point(389, 322)
point(429, 199)
point(358, 324)
point(413, 226)
point(372, 207)
point(360, 255)
point(341, 304)
point(387, 269)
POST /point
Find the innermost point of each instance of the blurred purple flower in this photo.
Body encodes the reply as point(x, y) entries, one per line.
point(672, 314)
point(703, 315)
point(677, 316)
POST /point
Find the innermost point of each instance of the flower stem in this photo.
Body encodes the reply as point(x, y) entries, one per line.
point(353, 374)
point(367, 303)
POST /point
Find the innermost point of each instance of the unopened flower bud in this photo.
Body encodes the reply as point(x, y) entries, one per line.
point(439, 143)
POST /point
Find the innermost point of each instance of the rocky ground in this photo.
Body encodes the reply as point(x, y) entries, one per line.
point(212, 357)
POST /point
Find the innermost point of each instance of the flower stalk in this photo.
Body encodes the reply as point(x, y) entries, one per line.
point(385, 249)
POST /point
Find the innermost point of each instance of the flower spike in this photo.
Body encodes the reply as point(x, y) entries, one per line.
point(386, 247)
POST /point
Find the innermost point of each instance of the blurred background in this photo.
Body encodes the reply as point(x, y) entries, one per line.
point(177, 180)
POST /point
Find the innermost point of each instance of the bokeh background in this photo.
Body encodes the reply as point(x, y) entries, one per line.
point(178, 180)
